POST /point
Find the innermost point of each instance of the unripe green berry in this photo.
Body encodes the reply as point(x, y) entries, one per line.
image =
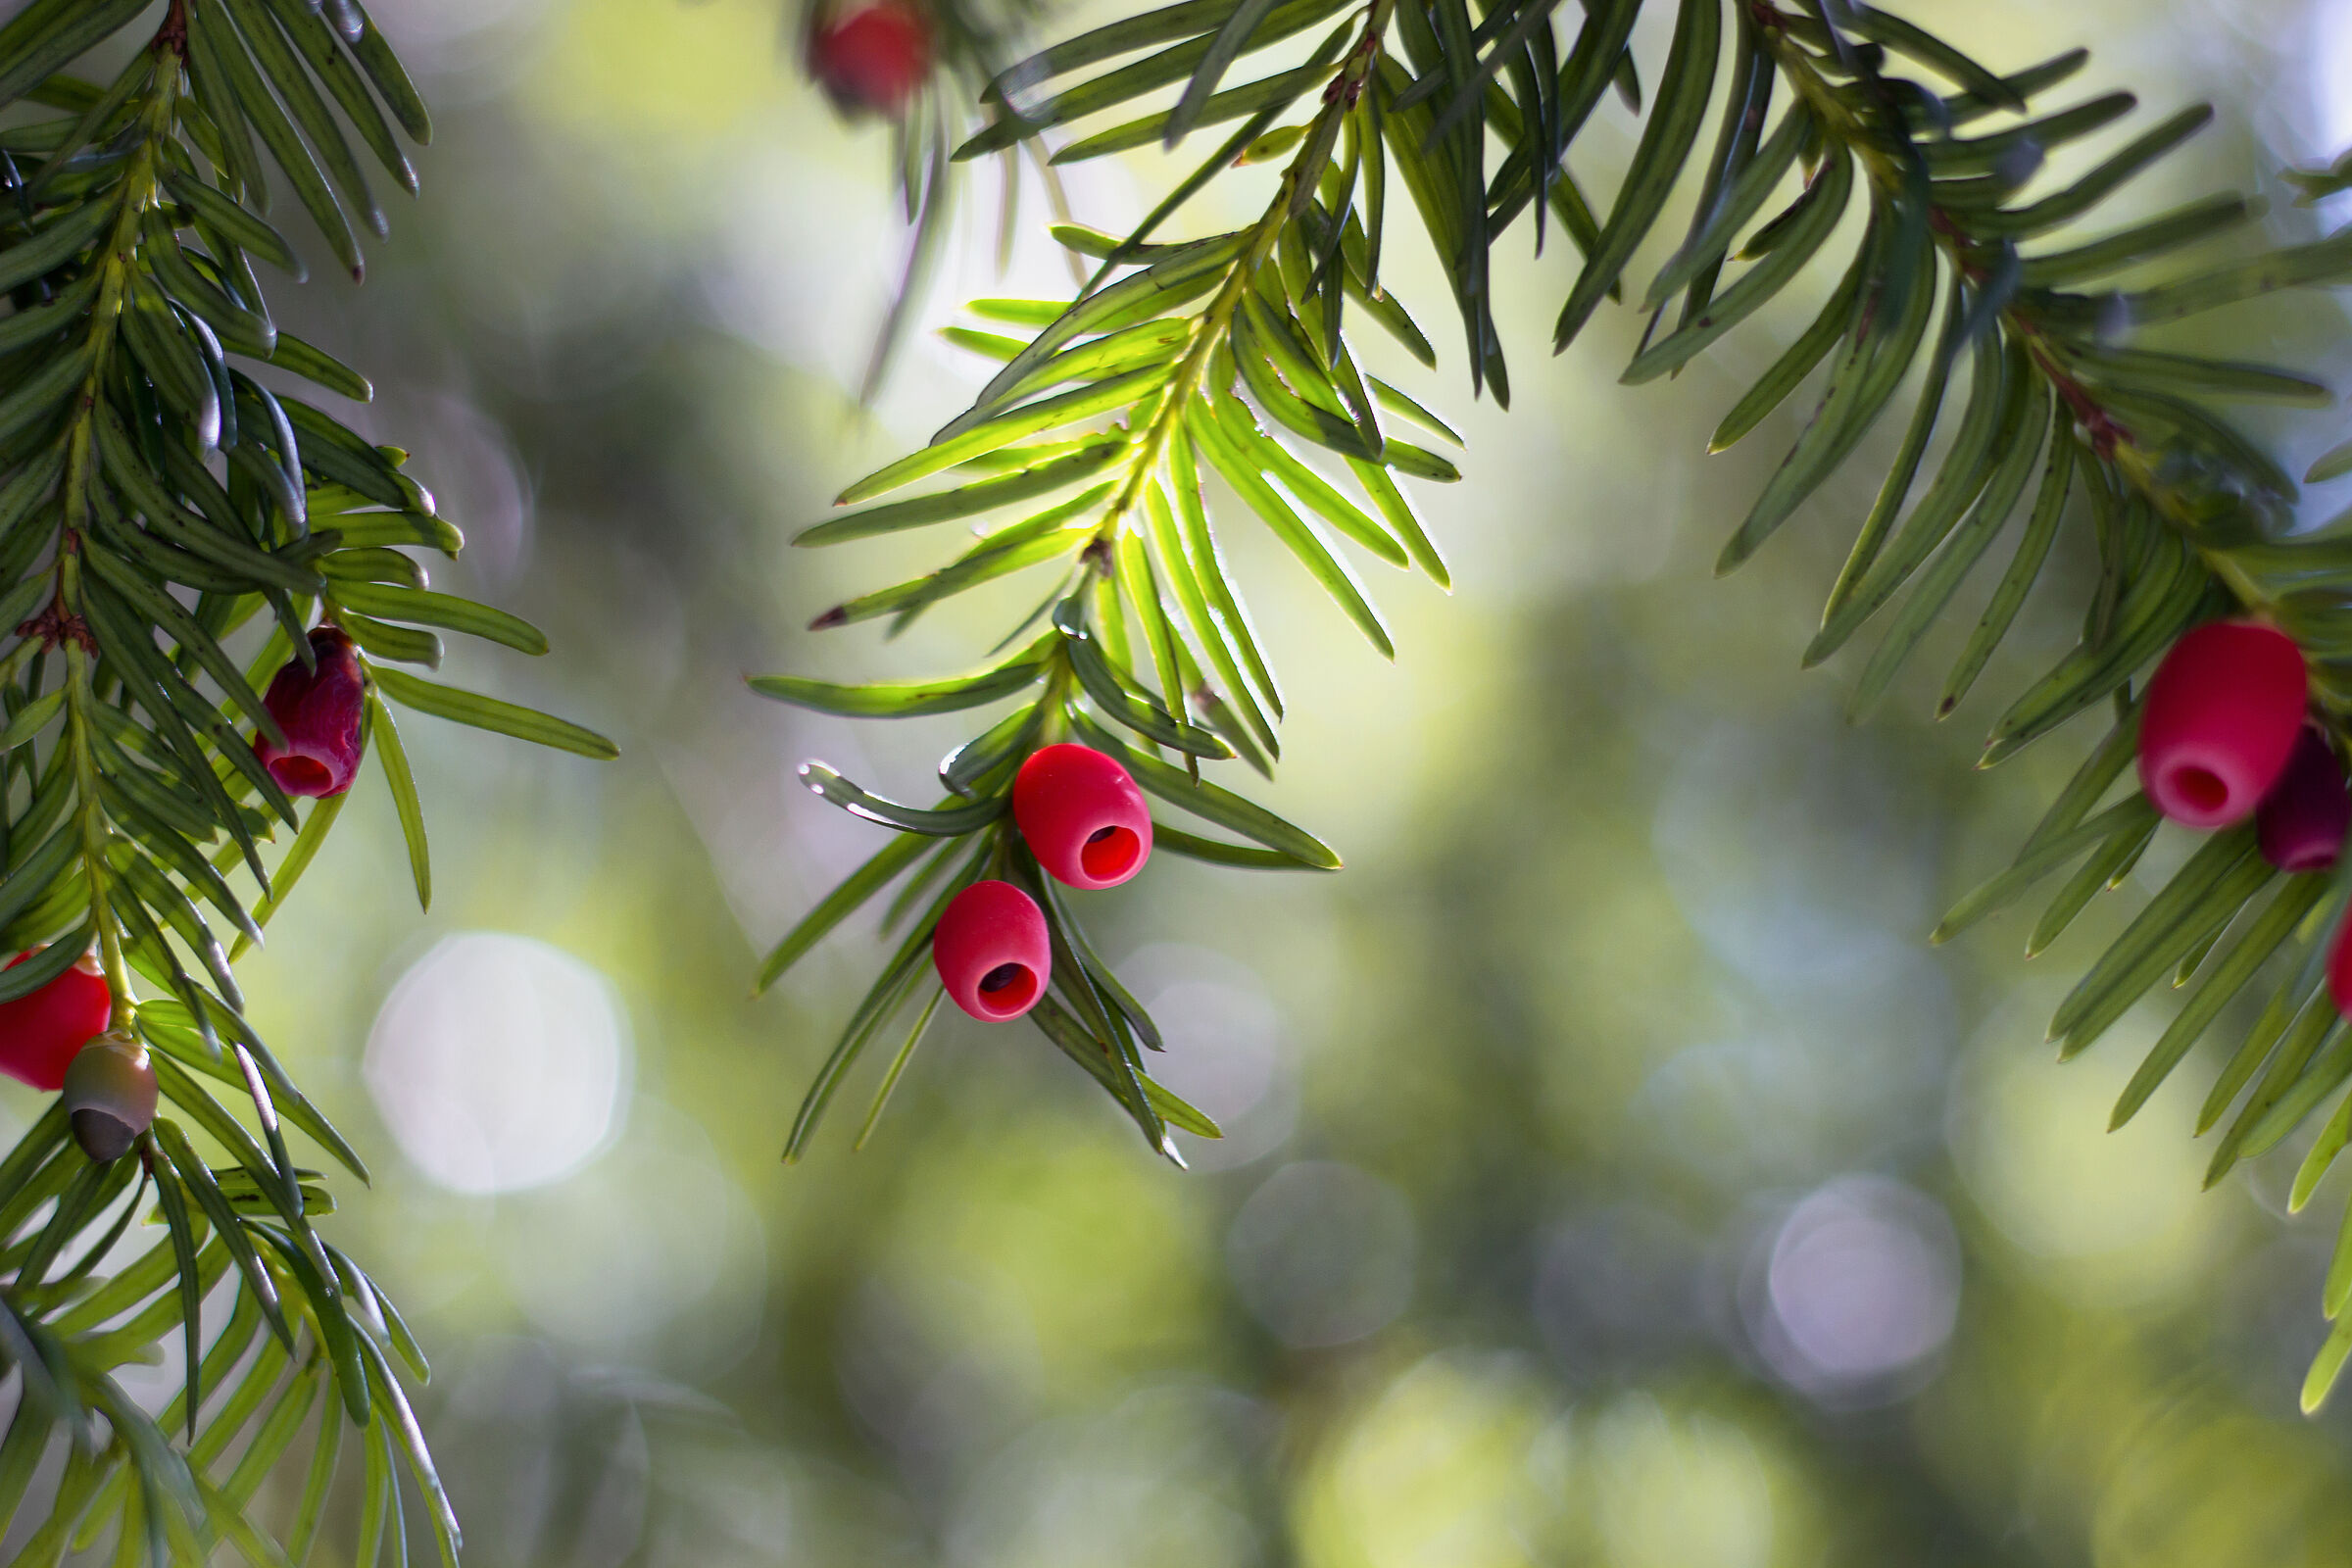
point(110, 1095)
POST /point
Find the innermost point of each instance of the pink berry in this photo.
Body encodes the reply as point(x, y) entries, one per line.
point(2222, 715)
point(40, 1032)
point(2300, 824)
point(872, 58)
point(320, 711)
point(1082, 815)
point(110, 1095)
point(992, 951)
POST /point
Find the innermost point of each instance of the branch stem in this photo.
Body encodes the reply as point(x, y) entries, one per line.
point(158, 113)
point(2111, 438)
point(1212, 327)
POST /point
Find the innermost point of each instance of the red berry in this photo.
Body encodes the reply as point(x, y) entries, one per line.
point(320, 711)
point(1082, 815)
point(110, 1095)
point(2339, 969)
point(871, 58)
point(992, 951)
point(39, 1032)
point(2300, 825)
point(2222, 715)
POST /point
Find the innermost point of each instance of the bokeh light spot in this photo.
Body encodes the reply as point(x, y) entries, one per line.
point(1323, 1253)
point(2109, 1216)
point(652, 1253)
point(1227, 1051)
point(1862, 1286)
point(1435, 1472)
point(1675, 1490)
point(499, 1063)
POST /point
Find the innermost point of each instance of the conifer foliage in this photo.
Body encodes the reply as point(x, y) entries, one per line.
point(163, 498)
point(1970, 304)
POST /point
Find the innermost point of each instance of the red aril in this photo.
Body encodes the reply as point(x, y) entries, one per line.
point(871, 58)
point(2300, 824)
point(1083, 817)
point(39, 1032)
point(319, 710)
point(992, 951)
point(2221, 715)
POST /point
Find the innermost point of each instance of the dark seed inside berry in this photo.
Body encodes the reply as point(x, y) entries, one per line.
point(1099, 834)
point(103, 1137)
point(1002, 975)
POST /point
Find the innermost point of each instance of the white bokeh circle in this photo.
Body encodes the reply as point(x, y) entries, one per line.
point(1862, 1291)
point(499, 1063)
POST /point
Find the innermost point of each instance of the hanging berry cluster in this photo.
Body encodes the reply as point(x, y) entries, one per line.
point(2227, 734)
point(57, 1038)
point(1085, 824)
point(160, 505)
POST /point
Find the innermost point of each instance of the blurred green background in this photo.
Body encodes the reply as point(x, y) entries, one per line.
point(1615, 1178)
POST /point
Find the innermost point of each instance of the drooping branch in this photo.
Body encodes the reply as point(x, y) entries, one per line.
point(158, 506)
point(1949, 267)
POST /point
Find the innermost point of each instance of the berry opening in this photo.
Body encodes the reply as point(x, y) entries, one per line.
point(1008, 985)
point(295, 774)
point(1109, 851)
point(2201, 788)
